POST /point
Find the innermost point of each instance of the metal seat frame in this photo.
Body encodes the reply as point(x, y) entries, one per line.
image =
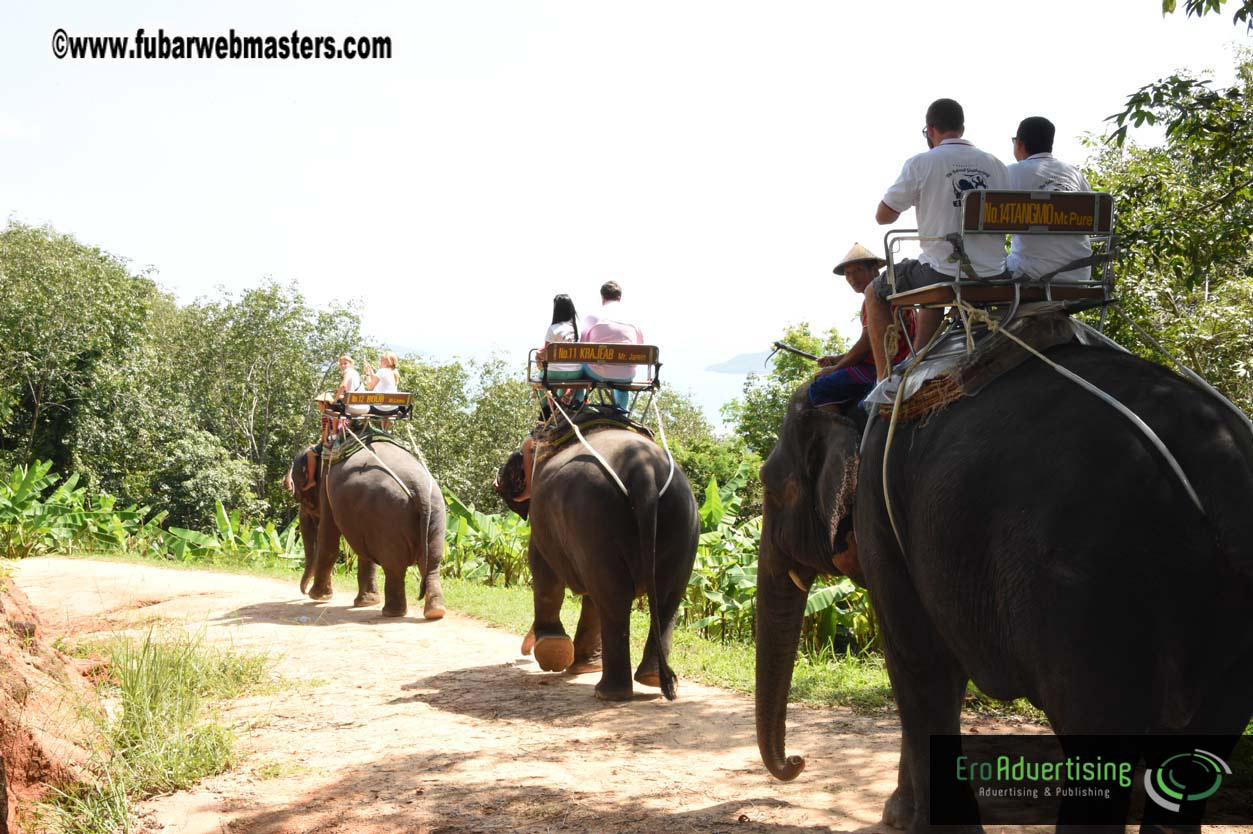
point(601, 353)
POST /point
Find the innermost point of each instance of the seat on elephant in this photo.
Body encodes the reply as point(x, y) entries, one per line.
point(1022, 213)
point(600, 354)
point(392, 405)
point(950, 371)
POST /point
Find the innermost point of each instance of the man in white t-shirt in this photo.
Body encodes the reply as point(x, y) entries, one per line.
point(932, 183)
point(610, 325)
point(1037, 170)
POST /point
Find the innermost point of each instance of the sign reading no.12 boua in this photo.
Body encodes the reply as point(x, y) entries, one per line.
point(602, 353)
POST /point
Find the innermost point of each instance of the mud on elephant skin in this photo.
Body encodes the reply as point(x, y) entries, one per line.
point(387, 528)
point(1083, 579)
point(589, 537)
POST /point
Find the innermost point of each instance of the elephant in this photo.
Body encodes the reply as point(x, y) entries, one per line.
point(1046, 551)
point(358, 499)
point(589, 537)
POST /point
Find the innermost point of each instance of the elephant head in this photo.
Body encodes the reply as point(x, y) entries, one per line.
point(296, 480)
point(510, 481)
point(809, 482)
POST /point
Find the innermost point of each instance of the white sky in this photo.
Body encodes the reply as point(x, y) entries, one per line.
point(716, 158)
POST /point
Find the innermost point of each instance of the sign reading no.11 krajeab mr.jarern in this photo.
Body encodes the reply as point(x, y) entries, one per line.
point(1091, 780)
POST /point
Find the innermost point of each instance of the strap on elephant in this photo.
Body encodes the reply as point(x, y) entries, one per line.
point(605, 464)
point(982, 316)
point(386, 468)
point(993, 325)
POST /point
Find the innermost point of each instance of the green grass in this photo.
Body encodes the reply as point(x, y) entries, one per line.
point(163, 734)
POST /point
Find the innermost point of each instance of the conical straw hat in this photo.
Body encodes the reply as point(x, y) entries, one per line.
point(859, 253)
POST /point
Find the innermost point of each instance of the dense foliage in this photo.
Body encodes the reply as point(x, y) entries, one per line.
point(1185, 216)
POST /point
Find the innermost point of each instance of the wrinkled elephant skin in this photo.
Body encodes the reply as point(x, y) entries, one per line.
point(1046, 552)
point(386, 528)
point(588, 537)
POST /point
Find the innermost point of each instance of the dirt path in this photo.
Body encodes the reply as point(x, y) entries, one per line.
point(407, 726)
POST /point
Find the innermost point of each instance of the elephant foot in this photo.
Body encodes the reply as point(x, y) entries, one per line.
point(365, 600)
point(898, 811)
point(582, 667)
point(554, 654)
point(398, 611)
point(652, 679)
point(609, 693)
point(528, 642)
point(321, 592)
point(433, 609)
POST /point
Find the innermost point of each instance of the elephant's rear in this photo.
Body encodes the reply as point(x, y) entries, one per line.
point(403, 508)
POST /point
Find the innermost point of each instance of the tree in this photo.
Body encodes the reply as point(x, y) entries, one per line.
point(468, 418)
point(1200, 8)
point(250, 368)
point(1184, 214)
point(67, 311)
point(758, 415)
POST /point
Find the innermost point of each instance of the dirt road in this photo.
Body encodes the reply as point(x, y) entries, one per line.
point(408, 726)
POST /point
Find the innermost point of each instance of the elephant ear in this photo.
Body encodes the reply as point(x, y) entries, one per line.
point(511, 481)
point(834, 463)
point(308, 498)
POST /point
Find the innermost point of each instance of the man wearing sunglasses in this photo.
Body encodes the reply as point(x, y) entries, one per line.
point(932, 183)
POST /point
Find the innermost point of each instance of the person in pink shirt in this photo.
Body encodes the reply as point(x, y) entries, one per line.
point(611, 325)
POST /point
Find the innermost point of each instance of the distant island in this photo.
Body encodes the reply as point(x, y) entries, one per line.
point(745, 363)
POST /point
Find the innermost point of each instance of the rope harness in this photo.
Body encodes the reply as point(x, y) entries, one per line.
point(968, 314)
point(604, 463)
point(386, 468)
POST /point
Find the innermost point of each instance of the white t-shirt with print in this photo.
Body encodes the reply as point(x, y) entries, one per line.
point(1036, 255)
point(933, 182)
point(562, 331)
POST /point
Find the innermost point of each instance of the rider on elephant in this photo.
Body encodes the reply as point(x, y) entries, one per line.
point(848, 378)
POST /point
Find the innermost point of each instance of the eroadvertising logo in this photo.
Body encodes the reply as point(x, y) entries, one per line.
point(1185, 777)
point(1091, 780)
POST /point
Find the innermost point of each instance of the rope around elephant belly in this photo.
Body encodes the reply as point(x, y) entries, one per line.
point(982, 315)
point(386, 468)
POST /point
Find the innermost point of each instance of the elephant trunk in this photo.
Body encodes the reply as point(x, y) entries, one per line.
point(780, 610)
point(309, 538)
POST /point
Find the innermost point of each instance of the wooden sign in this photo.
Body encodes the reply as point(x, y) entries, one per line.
point(1040, 212)
point(370, 398)
point(603, 354)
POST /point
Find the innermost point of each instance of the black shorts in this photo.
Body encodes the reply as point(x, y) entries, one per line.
point(910, 275)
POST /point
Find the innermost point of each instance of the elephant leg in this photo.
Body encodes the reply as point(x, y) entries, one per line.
point(587, 640)
point(328, 548)
point(367, 585)
point(394, 602)
point(929, 686)
point(554, 650)
point(433, 607)
point(670, 592)
point(615, 626)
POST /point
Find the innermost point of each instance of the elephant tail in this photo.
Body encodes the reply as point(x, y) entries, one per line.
point(646, 500)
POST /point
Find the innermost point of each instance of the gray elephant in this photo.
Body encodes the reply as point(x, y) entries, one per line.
point(589, 537)
point(1046, 551)
point(358, 499)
